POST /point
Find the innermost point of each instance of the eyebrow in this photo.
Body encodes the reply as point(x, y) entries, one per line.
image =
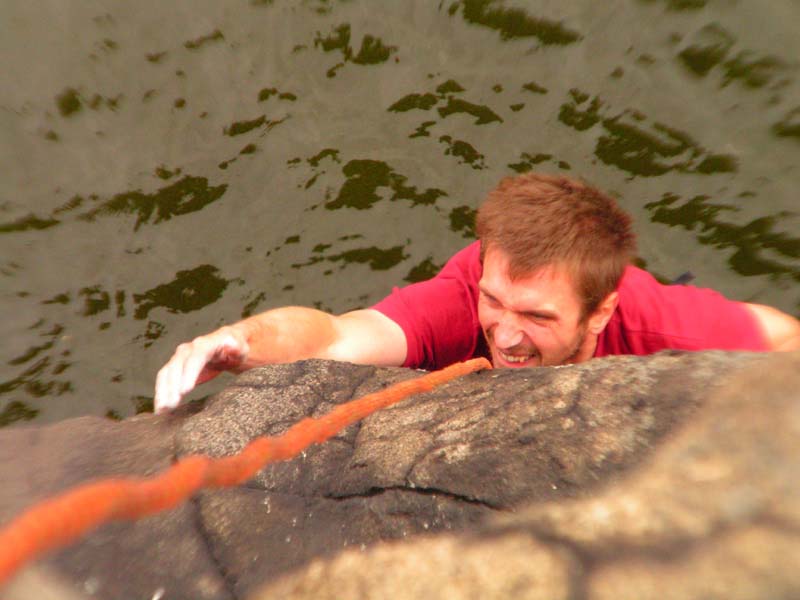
point(541, 313)
point(486, 292)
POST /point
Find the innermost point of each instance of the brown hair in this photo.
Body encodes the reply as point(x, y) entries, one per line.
point(539, 220)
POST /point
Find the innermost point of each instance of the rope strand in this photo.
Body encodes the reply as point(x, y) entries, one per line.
point(63, 519)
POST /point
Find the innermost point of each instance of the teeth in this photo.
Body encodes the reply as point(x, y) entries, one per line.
point(514, 359)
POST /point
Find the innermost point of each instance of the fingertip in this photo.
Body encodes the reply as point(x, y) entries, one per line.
point(158, 406)
point(162, 407)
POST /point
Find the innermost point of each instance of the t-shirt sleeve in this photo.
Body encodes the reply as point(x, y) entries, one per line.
point(439, 316)
point(653, 317)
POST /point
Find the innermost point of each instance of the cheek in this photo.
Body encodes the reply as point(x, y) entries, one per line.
point(485, 316)
point(540, 335)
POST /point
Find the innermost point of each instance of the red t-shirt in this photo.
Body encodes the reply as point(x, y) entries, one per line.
point(440, 317)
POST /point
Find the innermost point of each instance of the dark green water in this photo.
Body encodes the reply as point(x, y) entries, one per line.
point(167, 168)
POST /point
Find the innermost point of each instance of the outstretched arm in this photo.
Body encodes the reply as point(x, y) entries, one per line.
point(781, 331)
point(278, 336)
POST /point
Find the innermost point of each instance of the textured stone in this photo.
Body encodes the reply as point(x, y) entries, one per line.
point(444, 567)
point(669, 476)
point(120, 559)
point(708, 511)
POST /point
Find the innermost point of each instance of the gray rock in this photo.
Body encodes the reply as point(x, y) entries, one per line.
point(710, 510)
point(673, 475)
point(120, 559)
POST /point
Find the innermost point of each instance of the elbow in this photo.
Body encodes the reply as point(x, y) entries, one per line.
point(789, 342)
point(781, 331)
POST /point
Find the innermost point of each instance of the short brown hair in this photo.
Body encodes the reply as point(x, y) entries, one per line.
point(538, 220)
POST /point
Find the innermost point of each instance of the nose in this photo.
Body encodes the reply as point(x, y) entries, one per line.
point(506, 333)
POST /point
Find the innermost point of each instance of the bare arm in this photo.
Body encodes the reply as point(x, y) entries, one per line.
point(781, 331)
point(278, 336)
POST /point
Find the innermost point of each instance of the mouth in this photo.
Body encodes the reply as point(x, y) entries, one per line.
point(514, 360)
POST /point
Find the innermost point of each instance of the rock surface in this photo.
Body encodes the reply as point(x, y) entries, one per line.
point(674, 475)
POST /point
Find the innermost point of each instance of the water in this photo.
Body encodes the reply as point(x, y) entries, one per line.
point(170, 167)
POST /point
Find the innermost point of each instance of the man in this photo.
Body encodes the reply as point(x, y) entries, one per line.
point(549, 283)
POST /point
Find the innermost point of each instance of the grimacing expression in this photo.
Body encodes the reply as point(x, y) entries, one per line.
point(532, 321)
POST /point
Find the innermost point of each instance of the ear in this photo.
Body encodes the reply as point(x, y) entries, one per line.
point(602, 314)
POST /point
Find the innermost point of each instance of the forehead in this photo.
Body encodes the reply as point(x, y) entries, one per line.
point(550, 287)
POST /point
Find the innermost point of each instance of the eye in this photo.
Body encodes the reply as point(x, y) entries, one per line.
point(537, 316)
point(490, 300)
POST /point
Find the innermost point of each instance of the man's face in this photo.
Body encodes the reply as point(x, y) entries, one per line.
point(533, 321)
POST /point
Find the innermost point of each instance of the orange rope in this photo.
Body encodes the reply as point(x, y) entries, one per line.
point(63, 519)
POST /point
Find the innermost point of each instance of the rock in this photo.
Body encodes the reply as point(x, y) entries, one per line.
point(711, 511)
point(121, 559)
point(673, 475)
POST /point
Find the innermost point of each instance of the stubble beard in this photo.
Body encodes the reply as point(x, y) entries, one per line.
point(568, 357)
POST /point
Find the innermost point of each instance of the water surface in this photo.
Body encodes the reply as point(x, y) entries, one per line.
point(169, 168)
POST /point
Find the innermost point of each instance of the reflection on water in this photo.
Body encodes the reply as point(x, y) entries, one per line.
point(40, 375)
point(711, 46)
point(446, 91)
point(513, 22)
point(752, 242)
point(789, 126)
point(680, 4)
point(462, 150)
point(190, 290)
point(16, 411)
point(462, 218)
point(482, 114)
point(528, 163)
point(71, 101)
point(637, 146)
point(318, 153)
point(364, 177)
point(378, 259)
point(423, 271)
point(196, 43)
point(371, 52)
point(187, 195)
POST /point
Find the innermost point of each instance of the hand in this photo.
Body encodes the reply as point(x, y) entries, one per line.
point(196, 362)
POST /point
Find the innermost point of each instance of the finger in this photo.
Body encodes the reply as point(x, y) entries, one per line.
point(191, 369)
point(164, 399)
point(168, 381)
point(167, 396)
point(226, 353)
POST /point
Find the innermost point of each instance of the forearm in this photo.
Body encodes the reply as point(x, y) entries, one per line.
point(279, 336)
point(286, 334)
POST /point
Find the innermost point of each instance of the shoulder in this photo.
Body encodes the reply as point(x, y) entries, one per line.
point(652, 316)
point(439, 316)
point(466, 263)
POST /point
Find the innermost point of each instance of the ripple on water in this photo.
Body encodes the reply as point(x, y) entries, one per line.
point(190, 290)
point(43, 367)
point(758, 248)
point(513, 23)
point(712, 46)
point(366, 182)
point(371, 52)
point(789, 126)
point(403, 168)
point(632, 142)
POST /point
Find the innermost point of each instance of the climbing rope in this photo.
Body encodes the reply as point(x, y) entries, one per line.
point(63, 519)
